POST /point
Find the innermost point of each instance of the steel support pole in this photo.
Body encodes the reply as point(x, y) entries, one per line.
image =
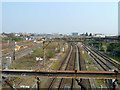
point(38, 83)
point(115, 85)
point(13, 53)
point(43, 53)
point(58, 45)
point(80, 84)
point(13, 50)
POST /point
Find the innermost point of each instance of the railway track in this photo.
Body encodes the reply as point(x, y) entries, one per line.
point(86, 83)
point(101, 62)
point(103, 68)
point(69, 83)
point(113, 62)
point(6, 44)
point(69, 53)
point(9, 47)
point(79, 58)
point(70, 65)
point(74, 69)
point(18, 53)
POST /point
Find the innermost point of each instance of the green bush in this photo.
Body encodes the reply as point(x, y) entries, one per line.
point(5, 38)
point(13, 38)
point(114, 49)
point(16, 38)
point(51, 54)
point(38, 52)
point(58, 51)
point(49, 51)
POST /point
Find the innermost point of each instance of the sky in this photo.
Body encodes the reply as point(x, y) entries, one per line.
point(60, 17)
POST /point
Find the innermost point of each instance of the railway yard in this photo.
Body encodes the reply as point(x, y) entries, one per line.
point(76, 56)
point(60, 44)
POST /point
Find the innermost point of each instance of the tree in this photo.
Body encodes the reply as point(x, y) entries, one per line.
point(105, 46)
point(116, 51)
point(114, 48)
point(4, 33)
point(86, 34)
point(11, 35)
point(90, 34)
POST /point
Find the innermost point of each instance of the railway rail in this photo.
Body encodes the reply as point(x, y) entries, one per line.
point(97, 56)
point(20, 51)
point(82, 66)
point(71, 62)
point(51, 84)
point(74, 68)
point(102, 64)
point(79, 59)
point(61, 80)
point(113, 62)
point(101, 61)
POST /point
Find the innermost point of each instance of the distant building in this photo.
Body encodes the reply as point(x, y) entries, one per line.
point(99, 35)
point(75, 34)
